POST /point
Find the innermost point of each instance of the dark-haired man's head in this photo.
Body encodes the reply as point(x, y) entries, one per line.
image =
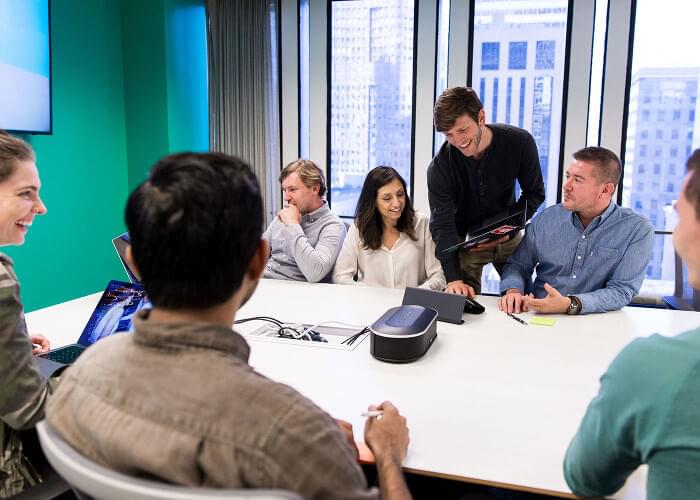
point(686, 235)
point(459, 114)
point(195, 226)
point(591, 180)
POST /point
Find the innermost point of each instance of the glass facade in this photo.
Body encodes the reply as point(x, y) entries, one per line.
point(518, 70)
point(371, 97)
point(661, 128)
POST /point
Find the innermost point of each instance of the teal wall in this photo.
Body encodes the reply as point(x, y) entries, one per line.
point(122, 98)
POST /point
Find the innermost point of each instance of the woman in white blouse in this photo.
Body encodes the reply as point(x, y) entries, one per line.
point(389, 244)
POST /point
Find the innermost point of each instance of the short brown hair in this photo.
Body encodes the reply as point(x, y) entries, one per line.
point(453, 103)
point(308, 172)
point(12, 150)
point(609, 166)
point(692, 187)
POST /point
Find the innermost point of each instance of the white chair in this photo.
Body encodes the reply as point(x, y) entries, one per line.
point(91, 480)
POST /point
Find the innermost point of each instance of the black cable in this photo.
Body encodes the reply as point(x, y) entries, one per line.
point(284, 331)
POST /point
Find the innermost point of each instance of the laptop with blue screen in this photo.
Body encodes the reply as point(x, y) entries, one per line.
point(113, 314)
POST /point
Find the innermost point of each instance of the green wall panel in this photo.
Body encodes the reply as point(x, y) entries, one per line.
point(68, 252)
point(129, 86)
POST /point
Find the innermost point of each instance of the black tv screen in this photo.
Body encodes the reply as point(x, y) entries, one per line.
point(25, 66)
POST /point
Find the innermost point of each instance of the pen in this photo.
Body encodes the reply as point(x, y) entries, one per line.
point(517, 319)
point(372, 413)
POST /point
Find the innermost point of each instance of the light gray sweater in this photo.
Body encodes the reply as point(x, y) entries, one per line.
point(306, 251)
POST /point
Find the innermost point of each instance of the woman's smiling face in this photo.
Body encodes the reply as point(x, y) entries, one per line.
point(19, 203)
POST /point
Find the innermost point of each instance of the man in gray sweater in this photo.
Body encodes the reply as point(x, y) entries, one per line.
point(305, 237)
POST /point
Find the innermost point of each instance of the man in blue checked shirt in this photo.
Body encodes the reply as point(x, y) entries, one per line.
point(589, 254)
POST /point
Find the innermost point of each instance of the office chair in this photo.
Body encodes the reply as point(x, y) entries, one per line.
point(684, 298)
point(93, 481)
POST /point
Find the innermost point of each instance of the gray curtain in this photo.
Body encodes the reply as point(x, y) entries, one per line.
point(244, 88)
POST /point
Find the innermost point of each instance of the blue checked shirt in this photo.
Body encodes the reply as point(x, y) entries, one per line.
point(603, 264)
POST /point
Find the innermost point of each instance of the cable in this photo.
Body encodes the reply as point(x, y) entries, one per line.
point(285, 331)
point(352, 339)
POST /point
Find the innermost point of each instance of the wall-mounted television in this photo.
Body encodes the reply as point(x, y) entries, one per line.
point(25, 66)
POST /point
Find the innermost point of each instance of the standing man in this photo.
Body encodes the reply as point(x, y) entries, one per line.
point(471, 181)
point(306, 237)
point(647, 411)
point(590, 254)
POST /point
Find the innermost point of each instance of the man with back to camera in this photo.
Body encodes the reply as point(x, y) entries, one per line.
point(589, 253)
point(177, 400)
point(306, 237)
point(646, 411)
point(471, 181)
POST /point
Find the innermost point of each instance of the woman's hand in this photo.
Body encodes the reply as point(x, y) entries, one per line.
point(41, 344)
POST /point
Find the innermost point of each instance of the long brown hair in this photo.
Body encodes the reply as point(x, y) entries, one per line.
point(367, 218)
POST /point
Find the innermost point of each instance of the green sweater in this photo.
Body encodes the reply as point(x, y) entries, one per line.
point(647, 412)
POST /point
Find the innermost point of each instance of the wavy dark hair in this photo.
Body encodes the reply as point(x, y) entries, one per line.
point(367, 217)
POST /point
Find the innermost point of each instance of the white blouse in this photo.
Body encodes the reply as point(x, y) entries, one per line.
point(408, 263)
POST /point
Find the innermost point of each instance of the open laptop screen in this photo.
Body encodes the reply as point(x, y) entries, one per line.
point(114, 311)
point(120, 243)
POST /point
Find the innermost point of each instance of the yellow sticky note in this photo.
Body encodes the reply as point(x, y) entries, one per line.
point(542, 321)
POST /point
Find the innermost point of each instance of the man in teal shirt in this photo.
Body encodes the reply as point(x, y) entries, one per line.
point(648, 407)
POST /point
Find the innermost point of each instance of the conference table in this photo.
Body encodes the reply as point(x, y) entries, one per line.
point(492, 401)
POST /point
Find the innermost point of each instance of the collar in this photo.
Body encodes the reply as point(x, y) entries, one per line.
point(612, 206)
point(5, 259)
point(316, 214)
point(194, 334)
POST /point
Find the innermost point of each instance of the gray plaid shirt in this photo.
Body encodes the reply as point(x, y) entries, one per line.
point(180, 402)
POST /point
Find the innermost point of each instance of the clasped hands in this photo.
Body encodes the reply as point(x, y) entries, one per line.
point(515, 302)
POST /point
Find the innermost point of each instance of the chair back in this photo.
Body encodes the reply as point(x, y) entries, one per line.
point(96, 481)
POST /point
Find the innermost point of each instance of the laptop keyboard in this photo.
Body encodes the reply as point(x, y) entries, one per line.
point(65, 355)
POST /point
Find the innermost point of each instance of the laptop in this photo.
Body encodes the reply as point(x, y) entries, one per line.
point(504, 227)
point(113, 314)
point(120, 243)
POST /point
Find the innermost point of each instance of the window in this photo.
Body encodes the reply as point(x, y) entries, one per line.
point(443, 40)
point(659, 134)
point(371, 95)
point(657, 168)
point(517, 55)
point(526, 90)
point(489, 55)
point(544, 58)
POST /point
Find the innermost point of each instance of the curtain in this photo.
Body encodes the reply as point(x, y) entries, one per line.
point(244, 88)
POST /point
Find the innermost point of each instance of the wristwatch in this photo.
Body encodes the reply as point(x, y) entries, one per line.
point(575, 306)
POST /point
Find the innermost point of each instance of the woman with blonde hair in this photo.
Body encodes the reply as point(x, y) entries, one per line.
point(23, 391)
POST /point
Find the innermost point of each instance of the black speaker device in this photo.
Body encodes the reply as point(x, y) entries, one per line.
point(403, 334)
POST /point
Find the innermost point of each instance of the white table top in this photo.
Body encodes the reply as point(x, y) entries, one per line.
point(492, 401)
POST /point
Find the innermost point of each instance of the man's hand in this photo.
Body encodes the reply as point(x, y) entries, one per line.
point(387, 436)
point(460, 287)
point(289, 215)
point(554, 302)
point(513, 301)
point(42, 342)
point(346, 427)
point(488, 245)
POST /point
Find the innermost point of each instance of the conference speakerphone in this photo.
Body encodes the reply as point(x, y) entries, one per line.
point(403, 334)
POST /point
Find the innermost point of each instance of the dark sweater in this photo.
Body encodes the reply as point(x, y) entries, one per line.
point(464, 192)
